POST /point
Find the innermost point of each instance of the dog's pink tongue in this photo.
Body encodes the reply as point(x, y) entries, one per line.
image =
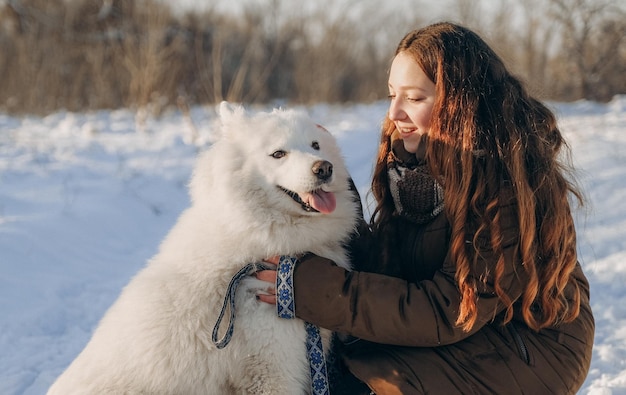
point(322, 201)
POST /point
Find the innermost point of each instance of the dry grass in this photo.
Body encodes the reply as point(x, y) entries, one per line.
point(93, 54)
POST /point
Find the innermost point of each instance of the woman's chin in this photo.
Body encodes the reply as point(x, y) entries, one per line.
point(411, 144)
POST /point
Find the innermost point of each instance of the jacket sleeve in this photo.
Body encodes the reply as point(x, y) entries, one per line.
point(391, 310)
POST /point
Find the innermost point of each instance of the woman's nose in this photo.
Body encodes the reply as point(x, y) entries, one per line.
point(396, 113)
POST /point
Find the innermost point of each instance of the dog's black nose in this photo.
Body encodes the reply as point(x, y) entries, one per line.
point(323, 169)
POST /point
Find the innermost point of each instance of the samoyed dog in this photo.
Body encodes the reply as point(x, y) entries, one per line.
point(272, 183)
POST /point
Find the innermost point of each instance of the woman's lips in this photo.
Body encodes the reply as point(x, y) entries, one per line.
point(406, 131)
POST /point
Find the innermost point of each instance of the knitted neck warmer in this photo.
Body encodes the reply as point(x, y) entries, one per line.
point(417, 196)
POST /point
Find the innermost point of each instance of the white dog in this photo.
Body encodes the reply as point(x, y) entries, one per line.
point(273, 183)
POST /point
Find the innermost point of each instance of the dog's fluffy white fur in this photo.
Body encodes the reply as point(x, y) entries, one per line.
point(156, 338)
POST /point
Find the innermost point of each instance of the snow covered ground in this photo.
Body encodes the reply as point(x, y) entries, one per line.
point(86, 198)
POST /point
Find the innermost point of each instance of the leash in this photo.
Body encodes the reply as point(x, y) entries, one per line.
point(229, 302)
point(285, 309)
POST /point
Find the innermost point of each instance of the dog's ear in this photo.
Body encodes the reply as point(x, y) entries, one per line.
point(225, 108)
point(229, 111)
point(230, 116)
point(322, 128)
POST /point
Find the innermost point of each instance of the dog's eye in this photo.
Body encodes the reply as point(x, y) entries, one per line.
point(315, 145)
point(278, 154)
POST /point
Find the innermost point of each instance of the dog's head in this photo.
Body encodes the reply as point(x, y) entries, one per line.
point(279, 160)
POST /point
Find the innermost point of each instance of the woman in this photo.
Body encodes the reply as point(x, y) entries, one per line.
point(469, 281)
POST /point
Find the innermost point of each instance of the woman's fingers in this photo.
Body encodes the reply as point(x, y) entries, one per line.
point(270, 299)
point(267, 275)
point(270, 277)
point(274, 259)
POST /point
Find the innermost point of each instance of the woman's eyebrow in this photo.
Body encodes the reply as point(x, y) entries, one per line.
point(407, 87)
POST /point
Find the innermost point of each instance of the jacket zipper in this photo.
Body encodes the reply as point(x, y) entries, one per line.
point(521, 346)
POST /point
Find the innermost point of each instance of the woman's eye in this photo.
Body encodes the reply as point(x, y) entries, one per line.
point(278, 154)
point(414, 99)
point(391, 97)
point(315, 145)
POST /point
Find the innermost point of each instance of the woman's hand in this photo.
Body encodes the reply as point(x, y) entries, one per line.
point(270, 277)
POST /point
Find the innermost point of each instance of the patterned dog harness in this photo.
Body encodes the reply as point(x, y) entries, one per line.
point(285, 309)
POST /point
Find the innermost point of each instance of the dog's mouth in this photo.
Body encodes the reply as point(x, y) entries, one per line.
point(316, 201)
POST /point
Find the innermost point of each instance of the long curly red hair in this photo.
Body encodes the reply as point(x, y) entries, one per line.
point(487, 133)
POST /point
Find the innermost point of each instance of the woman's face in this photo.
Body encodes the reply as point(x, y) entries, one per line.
point(412, 96)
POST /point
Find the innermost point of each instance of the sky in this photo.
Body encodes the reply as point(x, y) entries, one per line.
point(86, 198)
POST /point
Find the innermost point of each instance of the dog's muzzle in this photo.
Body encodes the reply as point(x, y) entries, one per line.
point(317, 200)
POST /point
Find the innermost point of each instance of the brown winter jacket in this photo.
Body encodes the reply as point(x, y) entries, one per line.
point(405, 320)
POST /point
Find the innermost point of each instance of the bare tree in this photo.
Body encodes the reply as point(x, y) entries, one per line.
point(592, 40)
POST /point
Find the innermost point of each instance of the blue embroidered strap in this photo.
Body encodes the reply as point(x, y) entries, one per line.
point(285, 309)
point(284, 287)
point(229, 302)
point(317, 362)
